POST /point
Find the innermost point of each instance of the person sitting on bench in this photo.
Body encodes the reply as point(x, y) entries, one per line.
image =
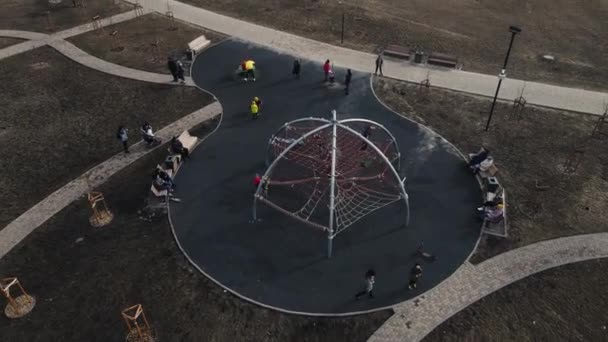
point(178, 147)
point(491, 212)
point(148, 135)
point(162, 180)
point(477, 158)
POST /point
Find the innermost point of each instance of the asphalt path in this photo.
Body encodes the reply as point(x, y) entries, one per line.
point(282, 263)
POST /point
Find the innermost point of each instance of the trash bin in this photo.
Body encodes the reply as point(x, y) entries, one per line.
point(418, 56)
point(190, 55)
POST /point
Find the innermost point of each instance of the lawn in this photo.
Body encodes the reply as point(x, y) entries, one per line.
point(563, 304)
point(142, 43)
point(42, 16)
point(59, 119)
point(530, 151)
point(476, 32)
point(137, 261)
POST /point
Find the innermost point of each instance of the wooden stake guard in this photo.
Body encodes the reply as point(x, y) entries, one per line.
point(17, 306)
point(101, 214)
point(139, 330)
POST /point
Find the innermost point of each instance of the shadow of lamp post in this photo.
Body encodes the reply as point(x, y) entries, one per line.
point(503, 73)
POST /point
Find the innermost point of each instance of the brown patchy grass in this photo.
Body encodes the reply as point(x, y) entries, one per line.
point(563, 304)
point(135, 261)
point(529, 151)
point(60, 118)
point(6, 42)
point(474, 31)
point(143, 43)
point(31, 15)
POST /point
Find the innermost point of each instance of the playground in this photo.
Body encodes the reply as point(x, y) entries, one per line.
point(227, 255)
point(281, 262)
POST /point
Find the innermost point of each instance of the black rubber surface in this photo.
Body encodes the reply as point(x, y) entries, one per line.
point(280, 262)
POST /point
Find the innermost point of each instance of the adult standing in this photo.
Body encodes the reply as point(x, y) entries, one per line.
point(123, 136)
point(327, 69)
point(347, 79)
point(379, 62)
point(172, 65)
point(180, 72)
point(295, 71)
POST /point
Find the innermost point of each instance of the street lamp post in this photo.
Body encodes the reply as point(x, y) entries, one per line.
point(503, 73)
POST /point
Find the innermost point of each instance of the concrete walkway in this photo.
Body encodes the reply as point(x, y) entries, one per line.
point(571, 99)
point(416, 318)
point(71, 51)
point(23, 225)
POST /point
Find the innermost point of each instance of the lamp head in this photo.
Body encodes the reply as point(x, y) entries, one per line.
point(514, 29)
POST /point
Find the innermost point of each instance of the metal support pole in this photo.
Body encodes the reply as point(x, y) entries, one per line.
point(514, 30)
point(342, 34)
point(332, 185)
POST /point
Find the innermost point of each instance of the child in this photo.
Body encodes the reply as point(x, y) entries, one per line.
point(370, 280)
point(415, 274)
point(254, 108)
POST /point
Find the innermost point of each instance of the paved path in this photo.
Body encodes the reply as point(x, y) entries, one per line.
point(71, 51)
point(471, 283)
point(23, 225)
point(536, 93)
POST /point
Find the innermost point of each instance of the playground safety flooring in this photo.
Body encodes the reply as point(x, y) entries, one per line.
point(280, 262)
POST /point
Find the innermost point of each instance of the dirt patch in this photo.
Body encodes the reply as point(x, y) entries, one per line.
point(531, 150)
point(143, 43)
point(474, 31)
point(60, 118)
point(563, 304)
point(135, 261)
point(6, 42)
point(42, 16)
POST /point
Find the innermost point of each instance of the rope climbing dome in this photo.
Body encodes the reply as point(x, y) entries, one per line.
point(330, 173)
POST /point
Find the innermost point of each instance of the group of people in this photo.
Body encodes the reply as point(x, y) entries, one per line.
point(482, 161)
point(147, 134)
point(177, 69)
point(370, 281)
point(162, 180)
point(247, 70)
point(331, 76)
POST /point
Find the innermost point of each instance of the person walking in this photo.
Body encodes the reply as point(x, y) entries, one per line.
point(379, 62)
point(172, 65)
point(347, 79)
point(370, 280)
point(415, 274)
point(180, 72)
point(295, 71)
point(255, 109)
point(123, 136)
point(326, 69)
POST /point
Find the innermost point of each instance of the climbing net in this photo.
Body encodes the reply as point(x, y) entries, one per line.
point(299, 179)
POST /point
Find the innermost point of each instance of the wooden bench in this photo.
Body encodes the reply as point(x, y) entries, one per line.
point(198, 45)
point(442, 60)
point(187, 140)
point(397, 51)
point(492, 171)
point(499, 228)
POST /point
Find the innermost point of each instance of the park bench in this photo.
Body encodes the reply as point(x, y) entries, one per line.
point(500, 227)
point(187, 140)
point(197, 45)
point(397, 51)
point(442, 60)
